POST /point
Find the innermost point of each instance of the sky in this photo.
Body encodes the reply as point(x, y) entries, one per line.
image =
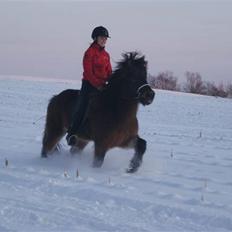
point(48, 38)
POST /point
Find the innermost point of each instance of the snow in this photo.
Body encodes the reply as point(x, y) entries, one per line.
point(184, 183)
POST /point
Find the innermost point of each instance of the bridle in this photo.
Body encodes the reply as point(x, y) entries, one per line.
point(141, 87)
point(138, 93)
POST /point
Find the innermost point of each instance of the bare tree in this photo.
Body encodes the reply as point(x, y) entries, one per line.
point(221, 91)
point(211, 89)
point(217, 91)
point(164, 80)
point(194, 83)
point(229, 90)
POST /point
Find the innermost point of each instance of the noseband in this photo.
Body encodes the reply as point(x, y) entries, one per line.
point(138, 93)
point(141, 87)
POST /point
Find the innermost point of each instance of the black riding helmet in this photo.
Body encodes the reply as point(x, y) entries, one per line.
point(100, 31)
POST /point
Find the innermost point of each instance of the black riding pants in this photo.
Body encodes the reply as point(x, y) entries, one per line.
point(81, 106)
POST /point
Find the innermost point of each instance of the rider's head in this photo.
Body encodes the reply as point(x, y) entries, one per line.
point(100, 35)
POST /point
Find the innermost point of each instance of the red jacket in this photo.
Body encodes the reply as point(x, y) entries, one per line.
point(96, 64)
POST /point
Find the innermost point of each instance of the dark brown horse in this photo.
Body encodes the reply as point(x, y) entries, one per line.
point(111, 116)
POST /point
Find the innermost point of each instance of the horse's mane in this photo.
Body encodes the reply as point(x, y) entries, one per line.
point(123, 70)
point(129, 59)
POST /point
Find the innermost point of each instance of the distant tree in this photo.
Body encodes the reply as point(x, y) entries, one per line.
point(221, 91)
point(229, 90)
point(164, 80)
point(217, 91)
point(150, 80)
point(211, 89)
point(194, 83)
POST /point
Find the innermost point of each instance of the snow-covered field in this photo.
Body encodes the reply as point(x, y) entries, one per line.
point(184, 183)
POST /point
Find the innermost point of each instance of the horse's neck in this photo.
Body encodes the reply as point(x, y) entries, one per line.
point(129, 105)
point(128, 108)
point(119, 105)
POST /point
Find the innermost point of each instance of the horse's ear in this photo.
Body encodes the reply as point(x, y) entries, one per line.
point(141, 61)
point(130, 58)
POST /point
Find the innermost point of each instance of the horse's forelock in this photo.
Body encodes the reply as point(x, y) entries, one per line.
point(130, 58)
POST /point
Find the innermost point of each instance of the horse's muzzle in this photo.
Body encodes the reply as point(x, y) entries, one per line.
point(146, 95)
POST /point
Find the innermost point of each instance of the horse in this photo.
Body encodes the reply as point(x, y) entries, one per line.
point(110, 120)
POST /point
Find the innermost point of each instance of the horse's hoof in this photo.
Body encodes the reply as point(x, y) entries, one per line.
point(43, 153)
point(132, 170)
point(134, 165)
point(44, 156)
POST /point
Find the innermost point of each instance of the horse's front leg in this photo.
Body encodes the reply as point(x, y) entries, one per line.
point(99, 155)
point(140, 148)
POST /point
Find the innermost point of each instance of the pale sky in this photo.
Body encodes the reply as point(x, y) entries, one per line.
point(48, 38)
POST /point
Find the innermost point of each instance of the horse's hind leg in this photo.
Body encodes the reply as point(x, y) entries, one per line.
point(99, 155)
point(140, 148)
point(79, 146)
point(50, 141)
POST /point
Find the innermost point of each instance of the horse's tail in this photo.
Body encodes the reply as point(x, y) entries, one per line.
point(59, 114)
point(54, 114)
point(53, 127)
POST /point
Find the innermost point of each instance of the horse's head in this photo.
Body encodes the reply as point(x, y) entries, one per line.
point(132, 71)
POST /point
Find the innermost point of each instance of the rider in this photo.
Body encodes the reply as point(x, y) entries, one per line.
point(97, 69)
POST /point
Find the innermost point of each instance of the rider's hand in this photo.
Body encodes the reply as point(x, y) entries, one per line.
point(103, 87)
